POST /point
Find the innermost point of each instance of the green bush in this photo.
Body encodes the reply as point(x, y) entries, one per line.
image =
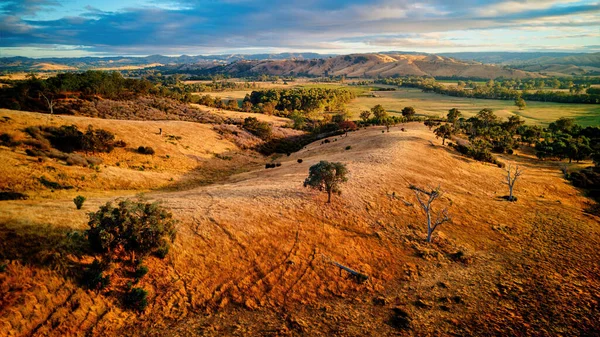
point(79, 200)
point(130, 227)
point(136, 299)
point(93, 276)
point(140, 271)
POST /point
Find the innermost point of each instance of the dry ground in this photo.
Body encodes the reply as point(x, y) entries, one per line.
point(186, 154)
point(253, 253)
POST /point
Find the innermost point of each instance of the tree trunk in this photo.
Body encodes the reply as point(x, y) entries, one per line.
point(443, 140)
point(429, 230)
point(510, 193)
point(329, 197)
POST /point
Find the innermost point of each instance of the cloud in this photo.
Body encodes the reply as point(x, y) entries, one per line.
point(187, 26)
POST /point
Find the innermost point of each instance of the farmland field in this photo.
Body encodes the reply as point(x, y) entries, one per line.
point(431, 104)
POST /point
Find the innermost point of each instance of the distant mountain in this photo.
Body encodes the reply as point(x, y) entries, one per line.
point(19, 63)
point(552, 64)
point(366, 65)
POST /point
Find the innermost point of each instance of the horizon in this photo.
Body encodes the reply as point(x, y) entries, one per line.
point(399, 52)
point(92, 28)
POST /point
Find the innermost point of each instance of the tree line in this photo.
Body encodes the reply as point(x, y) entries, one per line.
point(505, 89)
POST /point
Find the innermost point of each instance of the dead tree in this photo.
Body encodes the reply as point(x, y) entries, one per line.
point(511, 179)
point(426, 199)
point(50, 101)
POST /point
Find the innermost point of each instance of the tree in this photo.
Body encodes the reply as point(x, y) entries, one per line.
point(426, 199)
point(130, 227)
point(520, 103)
point(511, 179)
point(408, 112)
point(379, 112)
point(365, 115)
point(327, 176)
point(453, 115)
point(443, 131)
point(430, 122)
point(232, 104)
point(347, 126)
point(247, 106)
point(49, 97)
point(260, 129)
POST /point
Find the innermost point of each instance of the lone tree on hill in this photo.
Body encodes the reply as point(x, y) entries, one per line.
point(511, 179)
point(408, 112)
point(426, 199)
point(443, 131)
point(327, 176)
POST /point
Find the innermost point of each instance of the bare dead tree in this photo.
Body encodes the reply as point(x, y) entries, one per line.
point(426, 199)
point(50, 101)
point(511, 179)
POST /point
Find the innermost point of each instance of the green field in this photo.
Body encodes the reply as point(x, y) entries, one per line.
point(431, 104)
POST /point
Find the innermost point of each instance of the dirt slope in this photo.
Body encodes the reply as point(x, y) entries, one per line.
point(252, 255)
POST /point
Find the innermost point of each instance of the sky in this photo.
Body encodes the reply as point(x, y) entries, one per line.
point(75, 28)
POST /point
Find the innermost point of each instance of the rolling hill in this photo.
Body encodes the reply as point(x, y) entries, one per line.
point(254, 252)
point(370, 66)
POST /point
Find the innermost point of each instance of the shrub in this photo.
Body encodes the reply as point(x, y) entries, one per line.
point(93, 276)
point(130, 227)
point(12, 196)
point(162, 251)
point(141, 271)
point(260, 129)
point(299, 161)
point(54, 185)
point(348, 147)
point(145, 150)
point(79, 200)
point(8, 140)
point(136, 299)
point(277, 164)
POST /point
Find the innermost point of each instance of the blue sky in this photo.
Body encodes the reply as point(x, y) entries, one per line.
point(62, 28)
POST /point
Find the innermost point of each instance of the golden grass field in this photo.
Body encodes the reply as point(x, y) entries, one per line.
point(185, 154)
point(253, 250)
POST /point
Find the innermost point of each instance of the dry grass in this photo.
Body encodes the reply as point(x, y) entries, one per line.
point(253, 253)
point(185, 154)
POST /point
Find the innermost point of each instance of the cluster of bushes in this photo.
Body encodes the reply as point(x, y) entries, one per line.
point(478, 151)
point(260, 129)
point(305, 100)
point(145, 150)
point(128, 231)
point(272, 165)
point(69, 139)
point(506, 89)
point(565, 139)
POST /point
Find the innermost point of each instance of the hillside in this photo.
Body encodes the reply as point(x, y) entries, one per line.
point(252, 254)
point(371, 65)
point(551, 64)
